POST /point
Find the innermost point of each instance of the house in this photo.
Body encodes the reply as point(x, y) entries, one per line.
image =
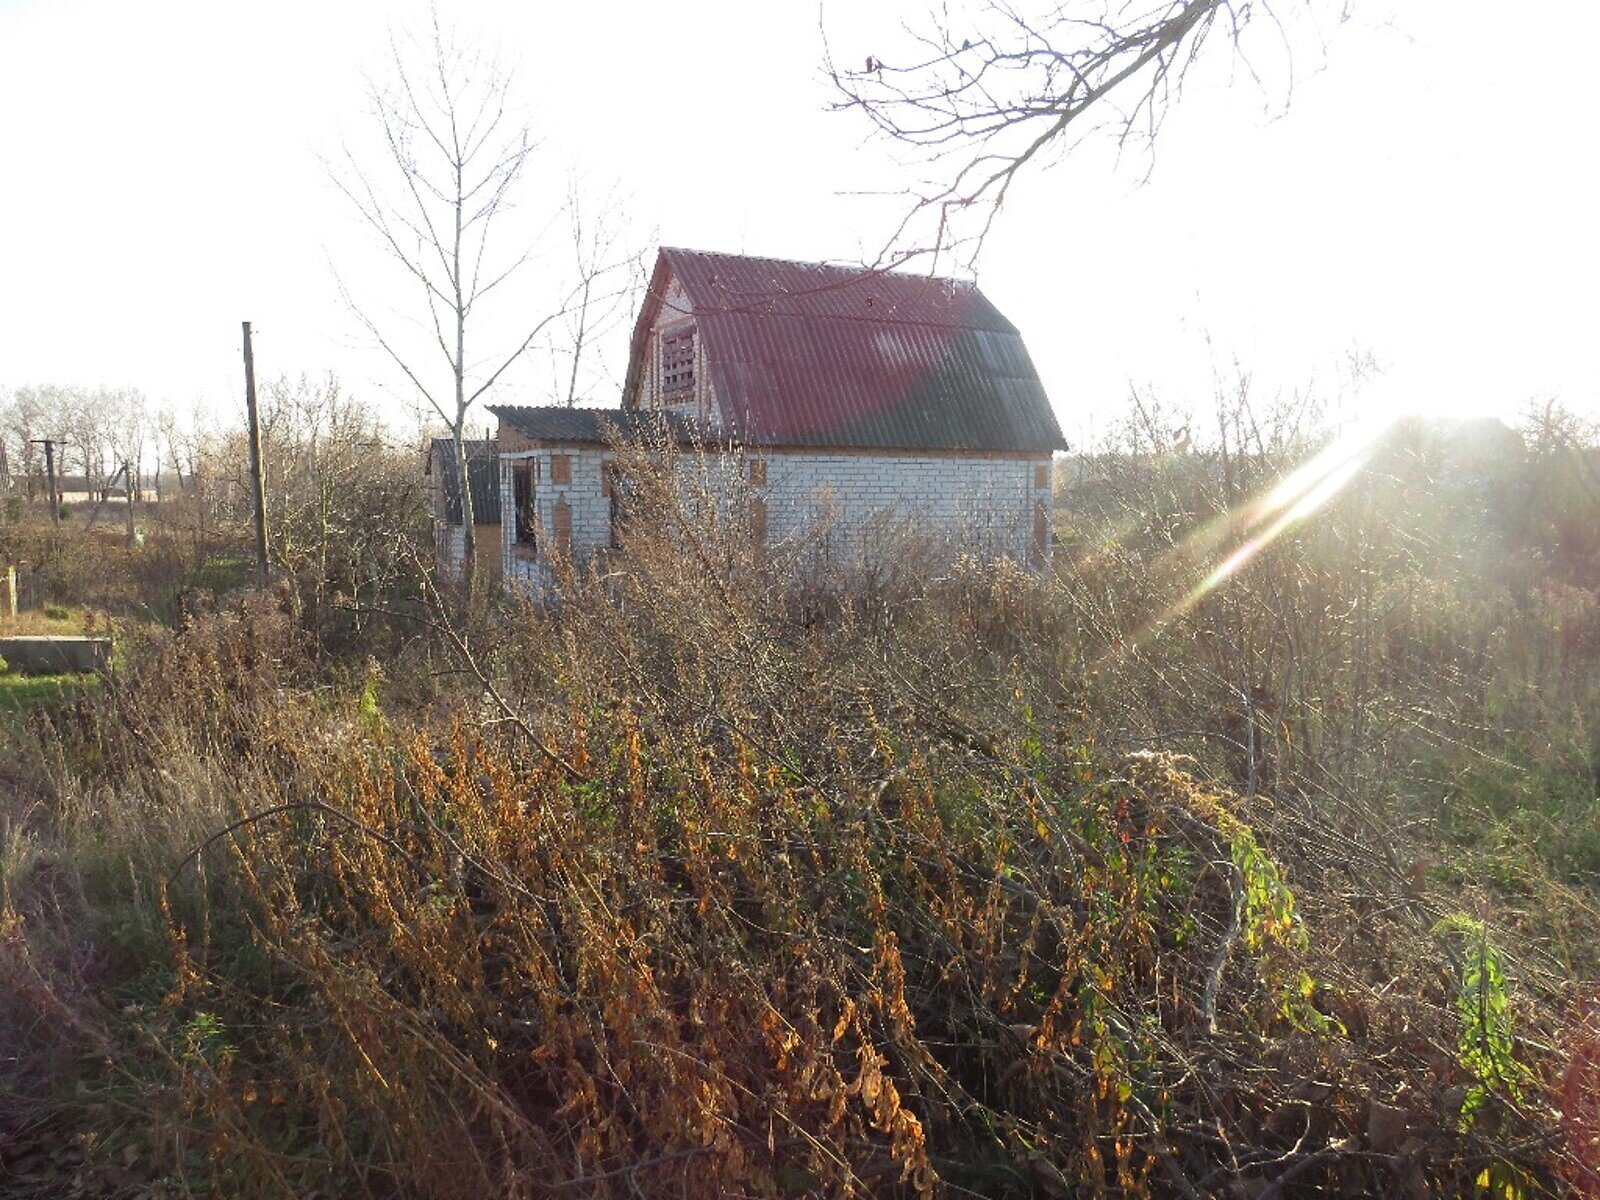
point(483, 475)
point(850, 399)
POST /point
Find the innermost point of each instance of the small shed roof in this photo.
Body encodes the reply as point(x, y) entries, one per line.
point(593, 426)
point(809, 354)
point(483, 474)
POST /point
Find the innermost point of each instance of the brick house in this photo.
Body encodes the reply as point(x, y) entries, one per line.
point(849, 401)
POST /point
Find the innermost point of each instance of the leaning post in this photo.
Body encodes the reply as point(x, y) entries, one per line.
point(257, 481)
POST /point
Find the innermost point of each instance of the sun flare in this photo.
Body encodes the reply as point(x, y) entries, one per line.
point(1294, 498)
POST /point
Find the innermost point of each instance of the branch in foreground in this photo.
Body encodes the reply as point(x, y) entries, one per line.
point(986, 96)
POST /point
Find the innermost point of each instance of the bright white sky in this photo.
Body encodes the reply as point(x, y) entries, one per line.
point(1428, 196)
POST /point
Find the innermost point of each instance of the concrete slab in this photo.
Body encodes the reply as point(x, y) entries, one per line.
point(55, 655)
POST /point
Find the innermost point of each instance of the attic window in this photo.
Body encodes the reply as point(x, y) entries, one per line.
point(677, 361)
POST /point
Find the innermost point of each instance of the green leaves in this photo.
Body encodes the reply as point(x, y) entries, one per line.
point(1269, 915)
point(1485, 1044)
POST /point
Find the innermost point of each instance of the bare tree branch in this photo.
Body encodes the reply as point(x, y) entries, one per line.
point(982, 97)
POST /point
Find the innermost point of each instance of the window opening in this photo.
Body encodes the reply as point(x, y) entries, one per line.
point(619, 491)
point(561, 525)
point(758, 524)
point(527, 518)
point(677, 362)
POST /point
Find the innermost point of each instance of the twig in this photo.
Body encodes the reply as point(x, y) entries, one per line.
point(632, 1168)
point(279, 810)
point(1275, 1188)
point(509, 712)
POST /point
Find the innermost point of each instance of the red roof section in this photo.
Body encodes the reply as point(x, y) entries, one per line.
point(806, 354)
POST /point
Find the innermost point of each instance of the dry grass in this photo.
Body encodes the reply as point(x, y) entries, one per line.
point(59, 620)
point(704, 884)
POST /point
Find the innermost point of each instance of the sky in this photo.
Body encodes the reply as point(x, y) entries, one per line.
point(1424, 196)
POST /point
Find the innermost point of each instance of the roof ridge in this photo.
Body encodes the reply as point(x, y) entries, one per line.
point(901, 321)
point(581, 408)
point(862, 269)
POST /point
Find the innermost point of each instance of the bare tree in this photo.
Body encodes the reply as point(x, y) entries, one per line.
point(611, 274)
point(129, 413)
point(454, 154)
point(17, 421)
point(167, 437)
point(90, 420)
point(34, 413)
point(346, 508)
point(176, 440)
point(984, 95)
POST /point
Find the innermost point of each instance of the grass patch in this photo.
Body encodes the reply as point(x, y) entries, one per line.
point(23, 694)
point(222, 573)
point(52, 619)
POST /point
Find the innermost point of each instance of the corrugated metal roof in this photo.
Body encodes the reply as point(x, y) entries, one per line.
point(732, 283)
point(483, 473)
point(592, 425)
point(806, 354)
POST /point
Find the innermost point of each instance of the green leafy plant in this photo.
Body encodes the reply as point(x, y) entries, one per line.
point(1269, 907)
point(1486, 1043)
point(1269, 921)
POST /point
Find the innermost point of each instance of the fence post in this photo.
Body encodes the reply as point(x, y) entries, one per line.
point(11, 591)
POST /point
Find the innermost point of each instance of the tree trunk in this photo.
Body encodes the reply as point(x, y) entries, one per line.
point(468, 516)
point(469, 532)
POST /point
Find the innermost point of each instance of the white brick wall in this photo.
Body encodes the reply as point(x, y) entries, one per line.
point(979, 505)
point(849, 507)
point(588, 508)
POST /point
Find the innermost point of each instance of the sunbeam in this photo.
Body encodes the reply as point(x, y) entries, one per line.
point(1291, 500)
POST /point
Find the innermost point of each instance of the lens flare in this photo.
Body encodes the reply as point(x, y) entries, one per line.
point(1294, 498)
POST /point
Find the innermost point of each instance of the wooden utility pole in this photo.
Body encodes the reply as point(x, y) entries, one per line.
point(127, 480)
point(49, 445)
point(257, 480)
point(50, 481)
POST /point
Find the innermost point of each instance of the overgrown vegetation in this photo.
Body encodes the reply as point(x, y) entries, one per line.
point(954, 881)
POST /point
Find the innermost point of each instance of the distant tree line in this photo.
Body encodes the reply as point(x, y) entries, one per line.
point(346, 511)
point(95, 433)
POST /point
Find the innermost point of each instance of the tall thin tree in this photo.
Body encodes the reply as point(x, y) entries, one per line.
point(438, 194)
